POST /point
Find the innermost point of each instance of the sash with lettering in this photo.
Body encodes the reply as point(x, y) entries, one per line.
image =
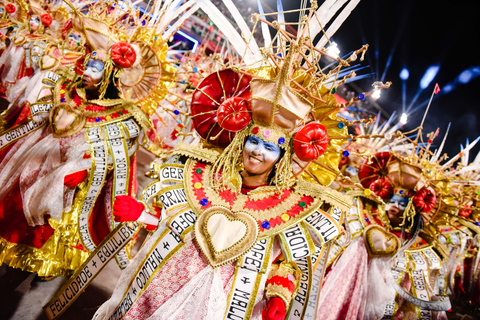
point(172, 193)
point(115, 146)
point(423, 261)
point(113, 245)
point(248, 274)
point(313, 268)
point(170, 235)
point(308, 244)
point(76, 284)
point(324, 226)
point(121, 163)
point(319, 261)
point(166, 244)
point(39, 113)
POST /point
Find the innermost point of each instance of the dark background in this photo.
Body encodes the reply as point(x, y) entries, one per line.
point(420, 34)
point(417, 34)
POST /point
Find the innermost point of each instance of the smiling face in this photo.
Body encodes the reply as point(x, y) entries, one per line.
point(259, 157)
point(74, 41)
point(395, 209)
point(34, 22)
point(93, 74)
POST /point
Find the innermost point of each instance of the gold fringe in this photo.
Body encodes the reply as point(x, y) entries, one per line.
point(57, 257)
point(408, 216)
point(197, 153)
point(226, 164)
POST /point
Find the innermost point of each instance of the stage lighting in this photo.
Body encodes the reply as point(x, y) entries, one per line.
point(447, 88)
point(429, 76)
point(404, 74)
point(465, 76)
point(376, 94)
point(403, 118)
point(333, 50)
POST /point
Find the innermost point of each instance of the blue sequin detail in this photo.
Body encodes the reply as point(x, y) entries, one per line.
point(204, 202)
point(266, 225)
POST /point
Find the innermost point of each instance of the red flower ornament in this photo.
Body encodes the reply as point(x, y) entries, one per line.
point(374, 168)
point(123, 55)
point(10, 8)
point(424, 200)
point(382, 188)
point(311, 141)
point(46, 19)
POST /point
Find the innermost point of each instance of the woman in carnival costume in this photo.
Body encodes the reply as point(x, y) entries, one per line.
point(20, 61)
point(33, 85)
point(65, 159)
point(458, 223)
point(394, 267)
point(242, 237)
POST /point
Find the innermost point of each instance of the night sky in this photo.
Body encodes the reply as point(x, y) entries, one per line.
point(417, 34)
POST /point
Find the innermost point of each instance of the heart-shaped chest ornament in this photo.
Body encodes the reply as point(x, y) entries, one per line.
point(48, 62)
point(65, 121)
point(225, 236)
point(380, 242)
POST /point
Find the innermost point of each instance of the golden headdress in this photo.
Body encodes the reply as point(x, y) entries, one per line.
point(278, 93)
point(138, 62)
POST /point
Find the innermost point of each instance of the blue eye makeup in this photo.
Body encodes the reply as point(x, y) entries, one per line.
point(271, 146)
point(97, 64)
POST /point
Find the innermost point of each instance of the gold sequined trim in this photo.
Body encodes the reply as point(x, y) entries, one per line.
point(327, 194)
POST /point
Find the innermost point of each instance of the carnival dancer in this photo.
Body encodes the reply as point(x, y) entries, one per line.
point(460, 235)
point(20, 60)
point(29, 228)
point(224, 247)
point(235, 216)
point(23, 57)
point(397, 271)
point(65, 158)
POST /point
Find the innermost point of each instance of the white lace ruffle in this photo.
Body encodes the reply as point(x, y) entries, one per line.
point(39, 163)
point(186, 288)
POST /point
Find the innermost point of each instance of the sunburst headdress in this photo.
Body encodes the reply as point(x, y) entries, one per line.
point(133, 45)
